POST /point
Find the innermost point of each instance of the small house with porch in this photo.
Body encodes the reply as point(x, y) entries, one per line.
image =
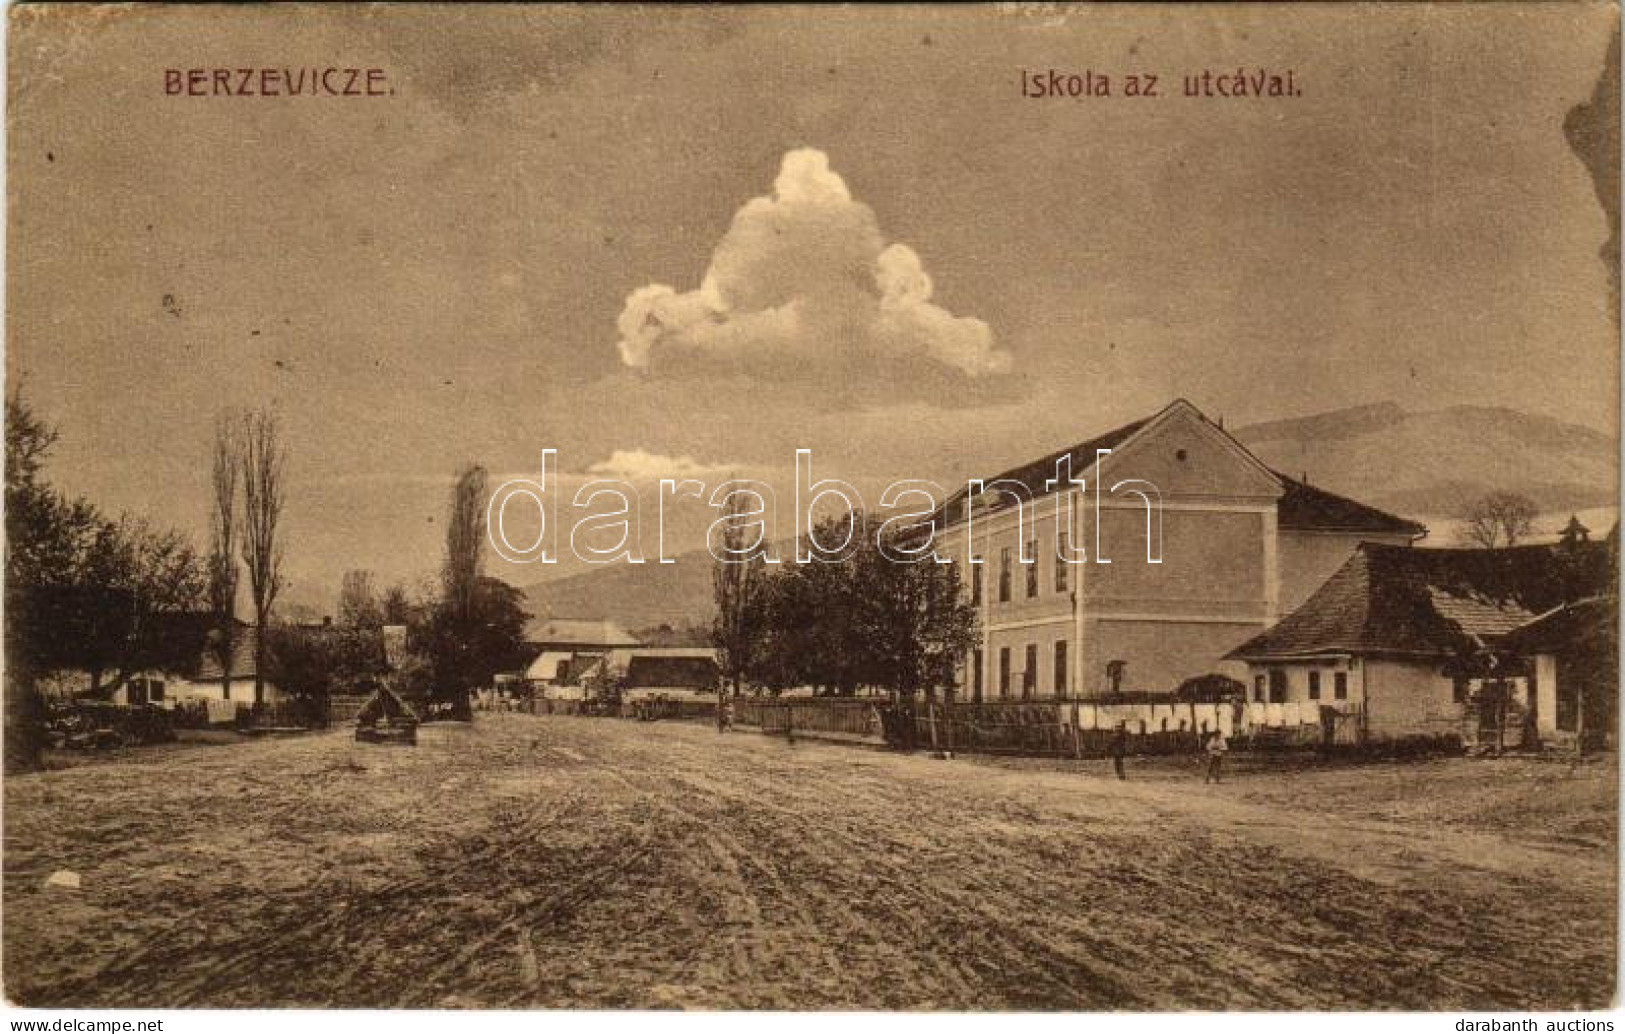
point(1419, 642)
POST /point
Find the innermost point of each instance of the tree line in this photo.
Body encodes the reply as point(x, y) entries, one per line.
point(462, 627)
point(116, 596)
point(851, 618)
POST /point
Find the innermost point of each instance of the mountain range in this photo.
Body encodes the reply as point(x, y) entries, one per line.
point(1435, 462)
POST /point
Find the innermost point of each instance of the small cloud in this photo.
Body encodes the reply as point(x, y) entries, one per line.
point(638, 465)
point(804, 285)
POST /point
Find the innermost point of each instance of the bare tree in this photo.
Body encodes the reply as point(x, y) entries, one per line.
point(222, 562)
point(396, 607)
point(1500, 519)
point(262, 463)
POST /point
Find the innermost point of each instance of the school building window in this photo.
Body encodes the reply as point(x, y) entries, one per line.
point(1060, 668)
point(976, 676)
point(976, 580)
point(1258, 689)
point(1032, 569)
point(1029, 677)
point(1314, 685)
point(1061, 573)
point(1004, 672)
point(1004, 575)
point(1340, 685)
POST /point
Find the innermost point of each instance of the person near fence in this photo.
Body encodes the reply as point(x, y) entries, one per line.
point(1119, 749)
point(725, 709)
point(1216, 749)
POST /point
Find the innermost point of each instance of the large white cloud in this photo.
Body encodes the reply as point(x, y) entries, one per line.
point(804, 280)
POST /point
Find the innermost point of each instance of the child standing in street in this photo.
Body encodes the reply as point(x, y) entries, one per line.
point(1216, 748)
point(1119, 749)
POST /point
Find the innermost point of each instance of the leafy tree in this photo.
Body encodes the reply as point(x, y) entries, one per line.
point(464, 649)
point(862, 618)
point(301, 660)
point(82, 591)
point(915, 621)
point(158, 581)
point(813, 637)
point(44, 538)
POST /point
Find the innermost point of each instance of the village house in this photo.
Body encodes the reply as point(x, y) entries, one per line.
point(201, 678)
point(1438, 642)
point(1240, 545)
point(193, 674)
point(564, 649)
point(1573, 656)
point(671, 671)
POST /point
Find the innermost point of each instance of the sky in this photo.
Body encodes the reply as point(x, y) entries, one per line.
point(694, 239)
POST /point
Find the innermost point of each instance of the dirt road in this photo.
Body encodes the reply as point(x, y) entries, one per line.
point(569, 862)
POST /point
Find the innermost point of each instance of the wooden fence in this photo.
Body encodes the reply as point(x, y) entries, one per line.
point(853, 719)
point(537, 705)
point(341, 710)
point(1079, 729)
point(289, 714)
point(652, 708)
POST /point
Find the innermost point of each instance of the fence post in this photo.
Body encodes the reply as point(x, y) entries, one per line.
point(1077, 746)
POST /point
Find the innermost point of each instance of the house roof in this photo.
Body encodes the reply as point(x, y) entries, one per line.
point(667, 671)
point(243, 642)
point(547, 665)
point(1401, 600)
point(581, 665)
point(1303, 507)
point(1033, 475)
point(549, 632)
point(1583, 623)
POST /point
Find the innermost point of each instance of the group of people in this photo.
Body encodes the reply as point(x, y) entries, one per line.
point(1214, 746)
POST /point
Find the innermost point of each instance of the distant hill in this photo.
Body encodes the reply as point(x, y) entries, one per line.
point(635, 595)
point(1437, 461)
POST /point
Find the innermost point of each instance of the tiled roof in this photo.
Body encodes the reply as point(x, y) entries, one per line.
point(1432, 602)
point(1034, 475)
point(1303, 507)
point(547, 665)
point(666, 671)
point(243, 641)
point(1588, 621)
